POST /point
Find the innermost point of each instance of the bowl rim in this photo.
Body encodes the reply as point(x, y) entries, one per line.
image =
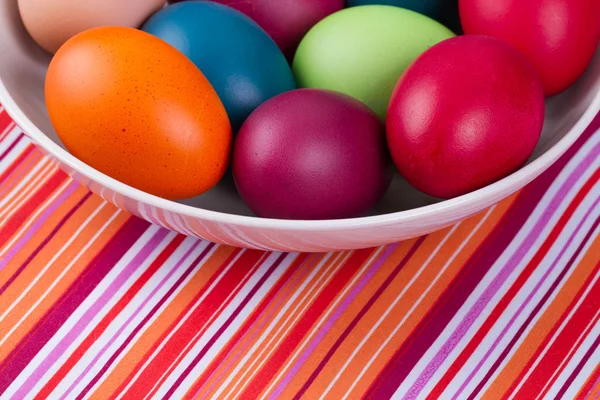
point(486, 195)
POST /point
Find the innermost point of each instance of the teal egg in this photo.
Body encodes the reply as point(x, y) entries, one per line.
point(240, 60)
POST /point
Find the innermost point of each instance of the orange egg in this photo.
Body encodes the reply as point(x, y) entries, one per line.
point(135, 108)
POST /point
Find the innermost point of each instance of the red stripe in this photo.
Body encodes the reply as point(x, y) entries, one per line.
point(553, 331)
point(225, 325)
point(108, 319)
point(5, 120)
point(245, 327)
point(33, 342)
point(18, 218)
point(562, 344)
point(17, 162)
point(197, 320)
point(586, 390)
point(150, 315)
point(305, 324)
point(482, 332)
point(204, 328)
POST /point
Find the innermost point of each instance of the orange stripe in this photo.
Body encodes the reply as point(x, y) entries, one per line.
point(399, 311)
point(169, 316)
point(538, 333)
point(329, 269)
point(57, 268)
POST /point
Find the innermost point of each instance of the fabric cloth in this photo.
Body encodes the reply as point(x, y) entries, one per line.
point(95, 303)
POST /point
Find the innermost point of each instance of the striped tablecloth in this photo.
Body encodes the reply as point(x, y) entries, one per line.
point(95, 303)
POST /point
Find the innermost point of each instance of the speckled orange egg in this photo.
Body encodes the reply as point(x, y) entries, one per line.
point(135, 108)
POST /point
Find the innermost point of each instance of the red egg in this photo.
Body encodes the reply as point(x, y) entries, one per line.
point(286, 21)
point(468, 112)
point(560, 37)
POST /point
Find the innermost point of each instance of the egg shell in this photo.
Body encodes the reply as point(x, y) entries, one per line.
point(238, 57)
point(560, 37)
point(286, 21)
point(467, 113)
point(362, 51)
point(311, 154)
point(52, 22)
point(444, 11)
point(133, 107)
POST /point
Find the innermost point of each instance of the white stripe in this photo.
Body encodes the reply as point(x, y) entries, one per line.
point(200, 247)
point(588, 367)
point(323, 319)
point(214, 319)
point(571, 360)
point(14, 154)
point(110, 333)
point(524, 232)
point(314, 290)
point(55, 282)
point(14, 133)
point(411, 310)
point(41, 209)
point(232, 328)
point(571, 357)
point(103, 312)
point(29, 185)
point(519, 299)
point(75, 317)
point(222, 273)
point(10, 127)
point(560, 328)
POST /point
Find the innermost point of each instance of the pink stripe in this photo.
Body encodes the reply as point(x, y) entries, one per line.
point(343, 306)
point(91, 313)
point(255, 331)
point(502, 276)
point(5, 188)
point(131, 318)
point(529, 298)
point(35, 227)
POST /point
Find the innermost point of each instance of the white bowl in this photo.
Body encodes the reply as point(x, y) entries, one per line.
point(220, 216)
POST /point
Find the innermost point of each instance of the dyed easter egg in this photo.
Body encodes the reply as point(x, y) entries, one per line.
point(240, 60)
point(467, 113)
point(444, 11)
point(52, 22)
point(362, 51)
point(311, 154)
point(560, 37)
point(286, 21)
point(136, 109)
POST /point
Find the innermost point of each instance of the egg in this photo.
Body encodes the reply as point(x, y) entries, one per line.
point(240, 60)
point(286, 21)
point(560, 37)
point(52, 22)
point(311, 154)
point(362, 51)
point(133, 107)
point(444, 11)
point(467, 113)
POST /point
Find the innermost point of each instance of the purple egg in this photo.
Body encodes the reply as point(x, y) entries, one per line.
point(311, 154)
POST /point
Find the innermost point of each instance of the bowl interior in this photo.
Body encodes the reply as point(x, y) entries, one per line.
point(23, 67)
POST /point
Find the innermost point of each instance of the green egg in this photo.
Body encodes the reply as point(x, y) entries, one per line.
point(363, 51)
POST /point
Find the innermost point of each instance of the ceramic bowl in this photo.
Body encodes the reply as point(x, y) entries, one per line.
point(220, 216)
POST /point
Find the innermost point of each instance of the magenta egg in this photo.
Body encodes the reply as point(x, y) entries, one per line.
point(468, 112)
point(286, 21)
point(311, 154)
